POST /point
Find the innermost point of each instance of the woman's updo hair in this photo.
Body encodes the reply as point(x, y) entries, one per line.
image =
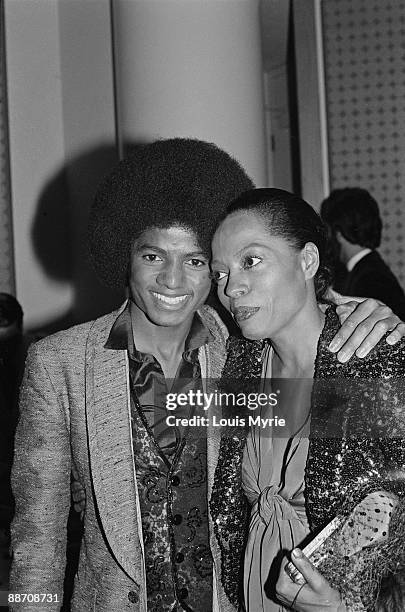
point(289, 216)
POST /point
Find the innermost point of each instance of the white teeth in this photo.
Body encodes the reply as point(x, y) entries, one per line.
point(170, 300)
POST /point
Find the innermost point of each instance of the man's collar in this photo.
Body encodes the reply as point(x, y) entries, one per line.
point(356, 258)
point(120, 335)
point(122, 338)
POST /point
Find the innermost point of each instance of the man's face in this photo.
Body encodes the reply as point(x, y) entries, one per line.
point(169, 275)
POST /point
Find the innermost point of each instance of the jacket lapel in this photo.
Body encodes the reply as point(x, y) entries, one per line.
point(212, 359)
point(110, 446)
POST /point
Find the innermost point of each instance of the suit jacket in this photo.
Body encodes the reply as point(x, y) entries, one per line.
point(371, 277)
point(75, 413)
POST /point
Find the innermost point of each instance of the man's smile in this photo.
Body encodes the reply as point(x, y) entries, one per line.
point(170, 300)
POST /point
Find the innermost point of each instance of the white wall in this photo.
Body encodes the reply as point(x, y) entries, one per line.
point(59, 69)
point(86, 59)
point(36, 143)
point(311, 101)
point(192, 68)
point(278, 127)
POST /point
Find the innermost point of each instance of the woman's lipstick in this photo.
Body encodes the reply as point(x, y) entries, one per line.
point(244, 312)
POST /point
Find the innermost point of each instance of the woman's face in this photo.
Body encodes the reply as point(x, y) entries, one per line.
point(262, 280)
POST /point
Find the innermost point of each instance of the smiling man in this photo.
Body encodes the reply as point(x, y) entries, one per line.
point(92, 400)
point(169, 278)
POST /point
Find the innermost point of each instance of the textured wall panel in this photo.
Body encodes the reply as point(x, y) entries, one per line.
point(6, 240)
point(364, 44)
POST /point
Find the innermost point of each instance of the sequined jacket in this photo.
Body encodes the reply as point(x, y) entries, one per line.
point(75, 413)
point(356, 440)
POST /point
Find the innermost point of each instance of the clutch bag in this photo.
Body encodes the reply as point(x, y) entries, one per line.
point(367, 524)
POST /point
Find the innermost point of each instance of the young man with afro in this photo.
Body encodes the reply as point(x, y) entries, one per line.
point(92, 400)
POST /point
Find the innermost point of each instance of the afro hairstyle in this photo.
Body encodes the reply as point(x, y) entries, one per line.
point(176, 182)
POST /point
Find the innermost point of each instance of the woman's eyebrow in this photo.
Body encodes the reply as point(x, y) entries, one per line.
point(244, 248)
point(252, 245)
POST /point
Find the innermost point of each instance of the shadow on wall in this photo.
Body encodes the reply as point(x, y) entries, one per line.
point(58, 235)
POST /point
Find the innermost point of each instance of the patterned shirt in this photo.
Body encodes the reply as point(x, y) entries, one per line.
point(171, 469)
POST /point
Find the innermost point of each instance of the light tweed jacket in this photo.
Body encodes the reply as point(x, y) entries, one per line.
point(75, 413)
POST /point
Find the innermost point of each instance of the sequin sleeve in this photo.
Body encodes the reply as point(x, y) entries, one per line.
point(391, 421)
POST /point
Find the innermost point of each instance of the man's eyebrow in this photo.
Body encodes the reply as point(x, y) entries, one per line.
point(197, 254)
point(149, 247)
point(144, 246)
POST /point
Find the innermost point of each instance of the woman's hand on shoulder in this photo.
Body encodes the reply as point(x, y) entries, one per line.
point(312, 595)
point(364, 323)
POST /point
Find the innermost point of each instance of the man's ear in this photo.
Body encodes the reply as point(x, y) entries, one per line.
point(310, 260)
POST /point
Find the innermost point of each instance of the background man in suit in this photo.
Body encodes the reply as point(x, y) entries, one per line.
point(93, 399)
point(355, 223)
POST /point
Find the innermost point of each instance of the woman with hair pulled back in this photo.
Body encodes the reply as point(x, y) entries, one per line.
point(340, 453)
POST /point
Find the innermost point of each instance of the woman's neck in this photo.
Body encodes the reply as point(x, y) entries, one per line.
point(295, 345)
